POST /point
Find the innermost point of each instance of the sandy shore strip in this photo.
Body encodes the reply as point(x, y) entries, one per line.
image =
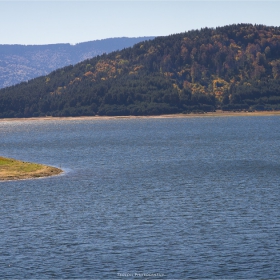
point(218, 113)
point(11, 169)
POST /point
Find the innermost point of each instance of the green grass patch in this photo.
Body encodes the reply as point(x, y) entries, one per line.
point(11, 169)
point(6, 161)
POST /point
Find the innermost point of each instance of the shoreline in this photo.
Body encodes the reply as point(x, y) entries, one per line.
point(14, 170)
point(217, 113)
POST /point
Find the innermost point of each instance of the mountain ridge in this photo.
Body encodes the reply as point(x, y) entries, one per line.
point(20, 63)
point(234, 67)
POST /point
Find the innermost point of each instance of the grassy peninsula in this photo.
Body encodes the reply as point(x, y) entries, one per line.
point(11, 169)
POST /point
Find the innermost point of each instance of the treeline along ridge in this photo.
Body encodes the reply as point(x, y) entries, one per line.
point(234, 67)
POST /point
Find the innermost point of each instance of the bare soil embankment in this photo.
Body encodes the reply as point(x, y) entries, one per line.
point(218, 113)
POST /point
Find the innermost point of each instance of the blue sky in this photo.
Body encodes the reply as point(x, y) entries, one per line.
point(48, 22)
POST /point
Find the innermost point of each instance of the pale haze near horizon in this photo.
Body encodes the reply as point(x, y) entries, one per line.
point(51, 22)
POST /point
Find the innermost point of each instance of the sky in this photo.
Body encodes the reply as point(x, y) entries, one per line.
point(50, 22)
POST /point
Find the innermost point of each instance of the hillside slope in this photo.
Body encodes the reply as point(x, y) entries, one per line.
point(235, 67)
point(20, 63)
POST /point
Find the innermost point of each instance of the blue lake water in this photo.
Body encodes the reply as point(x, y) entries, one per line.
point(143, 198)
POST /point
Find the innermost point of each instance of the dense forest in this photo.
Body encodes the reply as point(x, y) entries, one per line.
point(19, 63)
point(235, 67)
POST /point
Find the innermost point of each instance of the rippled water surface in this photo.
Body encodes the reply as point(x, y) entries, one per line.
point(184, 198)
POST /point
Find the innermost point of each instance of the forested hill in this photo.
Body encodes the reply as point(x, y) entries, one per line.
point(235, 67)
point(20, 63)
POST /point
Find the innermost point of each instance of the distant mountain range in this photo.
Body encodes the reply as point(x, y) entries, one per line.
point(20, 63)
point(235, 67)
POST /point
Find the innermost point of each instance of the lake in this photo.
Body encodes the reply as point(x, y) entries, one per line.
point(143, 198)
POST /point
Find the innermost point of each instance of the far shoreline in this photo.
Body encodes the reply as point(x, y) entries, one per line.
point(218, 113)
